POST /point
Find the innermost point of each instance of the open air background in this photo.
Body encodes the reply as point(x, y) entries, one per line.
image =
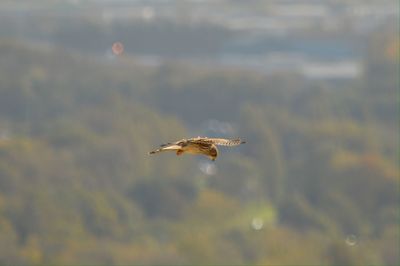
point(88, 87)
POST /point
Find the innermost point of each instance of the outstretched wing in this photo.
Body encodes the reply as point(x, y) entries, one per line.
point(172, 147)
point(169, 147)
point(217, 141)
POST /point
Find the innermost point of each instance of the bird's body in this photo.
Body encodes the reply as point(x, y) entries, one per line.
point(200, 145)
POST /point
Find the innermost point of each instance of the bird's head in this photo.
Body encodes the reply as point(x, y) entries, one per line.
point(213, 153)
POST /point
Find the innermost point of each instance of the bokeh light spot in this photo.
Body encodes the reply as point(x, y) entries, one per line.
point(148, 13)
point(117, 48)
point(351, 240)
point(208, 168)
point(257, 223)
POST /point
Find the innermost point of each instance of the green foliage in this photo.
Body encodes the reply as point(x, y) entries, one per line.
point(77, 185)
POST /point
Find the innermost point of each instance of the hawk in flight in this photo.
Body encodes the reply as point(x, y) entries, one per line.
point(199, 145)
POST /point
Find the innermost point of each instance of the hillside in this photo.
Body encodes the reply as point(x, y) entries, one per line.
point(316, 182)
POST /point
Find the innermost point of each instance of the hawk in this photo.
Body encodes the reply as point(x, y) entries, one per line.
point(199, 145)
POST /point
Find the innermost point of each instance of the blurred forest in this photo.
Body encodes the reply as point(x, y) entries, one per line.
point(316, 183)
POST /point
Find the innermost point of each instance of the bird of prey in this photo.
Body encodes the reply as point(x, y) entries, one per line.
point(199, 145)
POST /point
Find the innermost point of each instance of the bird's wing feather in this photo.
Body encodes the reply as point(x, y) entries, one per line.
point(167, 147)
point(217, 141)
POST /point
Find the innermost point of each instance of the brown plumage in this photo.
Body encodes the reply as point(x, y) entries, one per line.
point(199, 145)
